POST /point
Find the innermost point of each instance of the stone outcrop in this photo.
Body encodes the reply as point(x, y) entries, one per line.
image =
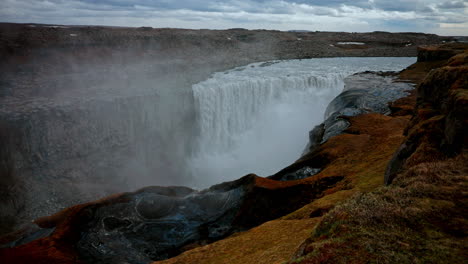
point(437, 53)
point(439, 125)
point(366, 92)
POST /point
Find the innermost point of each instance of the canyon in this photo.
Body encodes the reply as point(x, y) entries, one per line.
point(78, 126)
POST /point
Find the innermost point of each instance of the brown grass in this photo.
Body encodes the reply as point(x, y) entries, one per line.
point(421, 218)
point(270, 243)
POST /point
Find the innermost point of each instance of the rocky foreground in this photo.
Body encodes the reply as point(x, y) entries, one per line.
point(330, 206)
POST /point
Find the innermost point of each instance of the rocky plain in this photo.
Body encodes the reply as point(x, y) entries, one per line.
point(383, 178)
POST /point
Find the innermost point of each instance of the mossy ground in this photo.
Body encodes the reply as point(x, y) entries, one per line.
point(274, 242)
point(420, 218)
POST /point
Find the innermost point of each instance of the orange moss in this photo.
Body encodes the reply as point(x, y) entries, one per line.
point(57, 248)
point(270, 243)
point(418, 219)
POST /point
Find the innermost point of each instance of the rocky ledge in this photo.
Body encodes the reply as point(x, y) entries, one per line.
point(334, 192)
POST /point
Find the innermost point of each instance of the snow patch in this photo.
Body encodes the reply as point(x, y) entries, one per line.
point(55, 26)
point(350, 43)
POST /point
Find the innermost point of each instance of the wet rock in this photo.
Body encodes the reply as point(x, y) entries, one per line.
point(334, 125)
point(160, 222)
point(111, 223)
point(301, 173)
point(315, 137)
point(365, 92)
point(154, 224)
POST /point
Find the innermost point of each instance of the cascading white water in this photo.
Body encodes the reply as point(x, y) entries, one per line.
point(255, 119)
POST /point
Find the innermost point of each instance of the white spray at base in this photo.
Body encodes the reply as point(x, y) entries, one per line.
point(256, 118)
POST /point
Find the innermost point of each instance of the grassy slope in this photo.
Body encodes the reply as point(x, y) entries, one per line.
point(270, 243)
point(420, 218)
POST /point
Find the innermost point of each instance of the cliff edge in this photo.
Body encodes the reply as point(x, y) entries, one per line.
point(420, 216)
point(330, 206)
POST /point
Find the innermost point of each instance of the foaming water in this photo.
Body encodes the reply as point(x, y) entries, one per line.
point(256, 118)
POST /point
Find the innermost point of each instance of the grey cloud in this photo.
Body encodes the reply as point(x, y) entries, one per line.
point(452, 4)
point(401, 5)
point(335, 3)
point(400, 14)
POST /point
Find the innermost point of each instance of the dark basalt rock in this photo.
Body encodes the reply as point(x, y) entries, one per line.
point(363, 93)
point(300, 174)
point(315, 138)
point(397, 161)
point(153, 225)
point(157, 223)
point(30, 233)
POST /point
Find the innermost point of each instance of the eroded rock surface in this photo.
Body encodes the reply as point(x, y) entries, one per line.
point(439, 125)
point(368, 92)
point(154, 225)
point(160, 222)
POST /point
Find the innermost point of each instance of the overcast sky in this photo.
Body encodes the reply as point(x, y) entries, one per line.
point(444, 17)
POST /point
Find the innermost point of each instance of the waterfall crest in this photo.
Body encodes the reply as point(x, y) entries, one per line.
point(256, 118)
point(227, 109)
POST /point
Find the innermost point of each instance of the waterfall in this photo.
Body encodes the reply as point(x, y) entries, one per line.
point(227, 109)
point(256, 118)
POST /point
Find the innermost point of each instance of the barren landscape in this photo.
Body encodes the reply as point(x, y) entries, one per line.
point(99, 127)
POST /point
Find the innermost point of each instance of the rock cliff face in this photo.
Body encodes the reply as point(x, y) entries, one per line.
point(438, 129)
point(64, 150)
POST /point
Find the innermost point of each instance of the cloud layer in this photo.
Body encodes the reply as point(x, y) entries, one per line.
point(435, 16)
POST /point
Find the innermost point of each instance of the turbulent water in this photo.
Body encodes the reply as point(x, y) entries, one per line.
point(256, 118)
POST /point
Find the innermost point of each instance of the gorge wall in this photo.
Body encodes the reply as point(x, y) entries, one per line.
point(351, 163)
point(156, 223)
point(84, 110)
